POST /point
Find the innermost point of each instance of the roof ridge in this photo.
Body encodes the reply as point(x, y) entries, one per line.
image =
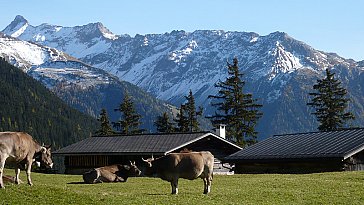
point(143, 134)
point(341, 130)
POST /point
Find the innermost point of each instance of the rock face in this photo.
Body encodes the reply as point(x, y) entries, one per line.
point(279, 70)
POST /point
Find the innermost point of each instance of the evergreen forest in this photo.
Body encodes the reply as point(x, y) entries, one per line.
point(27, 105)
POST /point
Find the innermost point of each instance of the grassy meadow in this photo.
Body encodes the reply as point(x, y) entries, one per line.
point(322, 188)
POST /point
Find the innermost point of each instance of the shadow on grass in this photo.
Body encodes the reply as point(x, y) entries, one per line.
point(159, 194)
point(76, 183)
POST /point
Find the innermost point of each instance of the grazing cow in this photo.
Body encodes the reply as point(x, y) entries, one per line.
point(19, 147)
point(187, 165)
point(112, 173)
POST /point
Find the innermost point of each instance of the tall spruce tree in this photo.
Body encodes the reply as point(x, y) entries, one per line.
point(163, 124)
point(105, 128)
point(181, 120)
point(130, 120)
point(192, 113)
point(236, 109)
point(330, 103)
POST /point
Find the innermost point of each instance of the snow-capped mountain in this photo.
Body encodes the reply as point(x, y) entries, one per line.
point(279, 70)
point(50, 65)
point(84, 87)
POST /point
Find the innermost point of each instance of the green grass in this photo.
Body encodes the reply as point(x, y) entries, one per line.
point(323, 188)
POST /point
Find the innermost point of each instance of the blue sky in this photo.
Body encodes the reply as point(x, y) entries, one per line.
point(327, 25)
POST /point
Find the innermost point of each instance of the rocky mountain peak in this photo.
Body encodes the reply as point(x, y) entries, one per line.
point(16, 27)
point(19, 19)
point(98, 28)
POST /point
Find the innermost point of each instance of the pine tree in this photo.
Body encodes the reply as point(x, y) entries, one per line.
point(191, 113)
point(237, 110)
point(187, 116)
point(105, 128)
point(330, 103)
point(181, 120)
point(163, 124)
point(130, 120)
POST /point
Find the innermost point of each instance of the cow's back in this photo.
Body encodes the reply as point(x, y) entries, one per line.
point(16, 145)
point(190, 165)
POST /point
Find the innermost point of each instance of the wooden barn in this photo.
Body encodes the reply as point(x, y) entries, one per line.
point(303, 153)
point(100, 151)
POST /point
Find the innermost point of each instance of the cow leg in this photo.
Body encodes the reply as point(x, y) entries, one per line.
point(28, 170)
point(2, 164)
point(174, 184)
point(207, 184)
point(119, 179)
point(204, 185)
point(17, 172)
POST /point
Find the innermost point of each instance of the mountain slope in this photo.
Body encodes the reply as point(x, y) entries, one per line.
point(279, 70)
point(82, 86)
point(28, 106)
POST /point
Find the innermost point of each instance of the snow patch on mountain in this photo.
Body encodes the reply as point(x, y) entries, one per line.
point(285, 62)
point(20, 30)
point(24, 54)
point(178, 55)
point(68, 73)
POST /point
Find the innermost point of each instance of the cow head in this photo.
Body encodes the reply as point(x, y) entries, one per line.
point(134, 171)
point(44, 156)
point(149, 161)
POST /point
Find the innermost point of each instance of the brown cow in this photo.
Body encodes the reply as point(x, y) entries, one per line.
point(19, 147)
point(188, 165)
point(112, 173)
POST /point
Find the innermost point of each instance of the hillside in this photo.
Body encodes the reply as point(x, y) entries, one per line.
point(26, 105)
point(80, 85)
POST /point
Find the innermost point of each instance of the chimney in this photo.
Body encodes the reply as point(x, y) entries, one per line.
point(220, 131)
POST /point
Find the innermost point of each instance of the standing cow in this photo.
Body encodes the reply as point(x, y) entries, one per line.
point(190, 165)
point(19, 147)
point(112, 173)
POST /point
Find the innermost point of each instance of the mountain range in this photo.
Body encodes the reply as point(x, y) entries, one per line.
point(279, 70)
point(80, 85)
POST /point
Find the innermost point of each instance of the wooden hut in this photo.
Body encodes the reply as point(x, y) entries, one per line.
point(100, 151)
point(303, 153)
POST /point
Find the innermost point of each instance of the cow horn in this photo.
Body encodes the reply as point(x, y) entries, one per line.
point(144, 160)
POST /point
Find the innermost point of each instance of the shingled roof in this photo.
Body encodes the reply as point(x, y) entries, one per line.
point(135, 144)
point(314, 145)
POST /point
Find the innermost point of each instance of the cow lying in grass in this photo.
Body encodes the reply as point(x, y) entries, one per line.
point(112, 173)
point(20, 148)
point(190, 165)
